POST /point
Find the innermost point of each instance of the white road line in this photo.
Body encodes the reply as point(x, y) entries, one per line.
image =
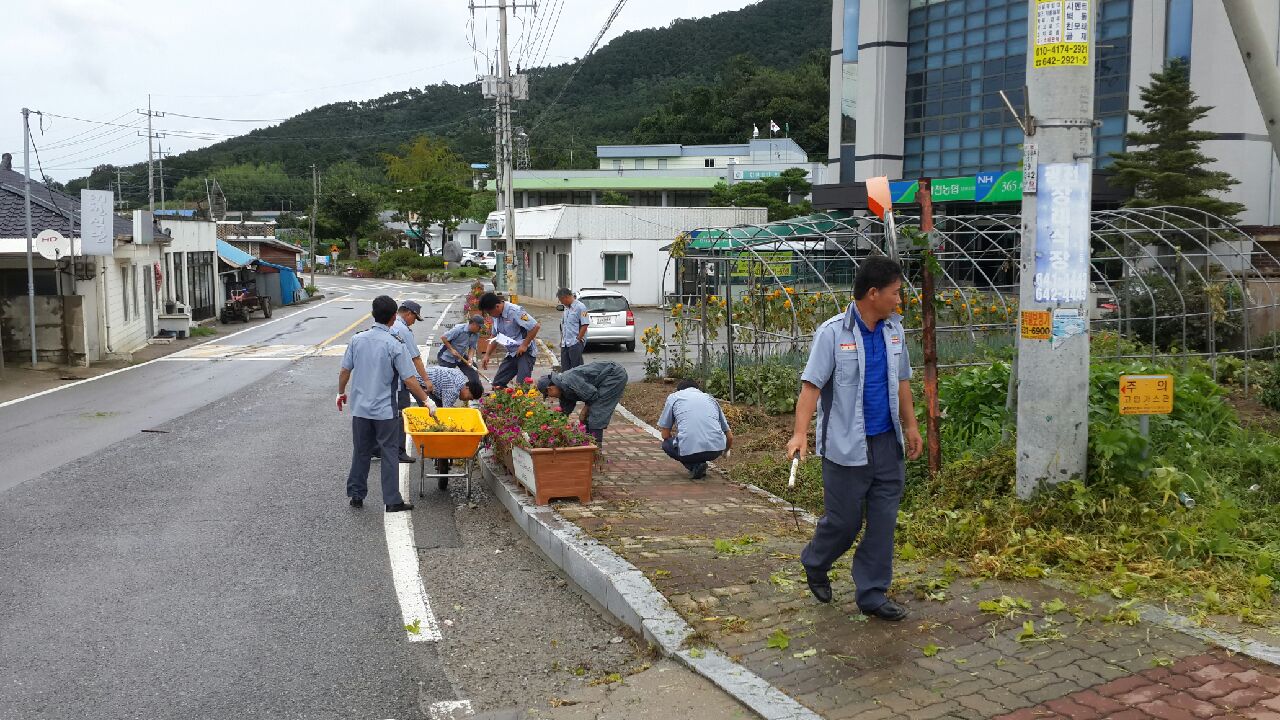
point(450, 710)
point(415, 606)
point(229, 358)
point(42, 393)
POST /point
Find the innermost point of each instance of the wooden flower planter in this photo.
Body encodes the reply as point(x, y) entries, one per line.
point(552, 474)
point(482, 346)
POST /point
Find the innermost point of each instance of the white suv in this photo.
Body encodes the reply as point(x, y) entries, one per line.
point(611, 318)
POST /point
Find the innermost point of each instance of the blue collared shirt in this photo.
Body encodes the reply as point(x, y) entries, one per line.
point(575, 318)
point(462, 340)
point(700, 423)
point(378, 361)
point(515, 323)
point(837, 366)
point(875, 386)
point(402, 330)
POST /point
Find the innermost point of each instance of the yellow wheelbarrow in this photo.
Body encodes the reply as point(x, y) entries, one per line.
point(448, 446)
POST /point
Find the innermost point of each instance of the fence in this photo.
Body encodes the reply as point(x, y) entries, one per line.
point(1167, 283)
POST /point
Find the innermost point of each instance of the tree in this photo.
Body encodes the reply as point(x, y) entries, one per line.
point(1166, 167)
point(483, 202)
point(432, 186)
point(613, 197)
point(746, 95)
point(774, 193)
point(349, 201)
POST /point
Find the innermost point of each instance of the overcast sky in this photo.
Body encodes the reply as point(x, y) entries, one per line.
point(259, 59)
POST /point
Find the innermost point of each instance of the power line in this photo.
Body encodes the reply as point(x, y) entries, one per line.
point(549, 35)
point(300, 91)
point(250, 120)
point(613, 15)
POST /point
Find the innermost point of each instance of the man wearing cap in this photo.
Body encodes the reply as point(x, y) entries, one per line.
point(519, 329)
point(599, 385)
point(458, 347)
point(573, 329)
point(409, 313)
point(373, 364)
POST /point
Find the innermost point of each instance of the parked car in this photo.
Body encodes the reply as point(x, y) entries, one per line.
point(612, 321)
point(487, 259)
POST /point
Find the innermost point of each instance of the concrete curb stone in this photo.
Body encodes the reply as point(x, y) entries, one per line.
point(624, 590)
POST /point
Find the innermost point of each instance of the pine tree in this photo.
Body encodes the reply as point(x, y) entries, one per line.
point(1167, 167)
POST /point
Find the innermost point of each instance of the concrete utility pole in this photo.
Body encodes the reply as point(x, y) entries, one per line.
point(151, 137)
point(1053, 345)
point(160, 153)
point(504, 92)
point(315, 208)
point(119, 190)
point(504, 95)
point(1259, 62)
point(26, 188)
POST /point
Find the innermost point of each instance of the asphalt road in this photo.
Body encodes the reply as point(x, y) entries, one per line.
point(211, 567)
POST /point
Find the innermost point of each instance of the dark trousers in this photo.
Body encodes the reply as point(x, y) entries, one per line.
point(369, 438)
point(857, 496)
point(689, 461)
point(570, 357)
point(516, 367)
point(468, 370)
point(404, 399)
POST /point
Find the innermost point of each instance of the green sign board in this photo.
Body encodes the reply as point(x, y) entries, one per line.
point(983, 187)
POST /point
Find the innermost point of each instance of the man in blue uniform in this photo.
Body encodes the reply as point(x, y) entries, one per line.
point(375, 364)
point(409, 313)
point(599, 385)
point(859, 371)
point(519, 329)
point(573, 329)
point(694, 428)
point(458, 347)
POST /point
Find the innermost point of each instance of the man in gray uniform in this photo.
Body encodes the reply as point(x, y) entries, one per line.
point(409, 313)
point(859, 370)
point(573, 329)
point(458, 347)
point(510, 320)
point(694, 428)
point(375, 364)
point(598, 384)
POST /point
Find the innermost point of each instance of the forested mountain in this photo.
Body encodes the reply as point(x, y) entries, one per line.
point(668, 73)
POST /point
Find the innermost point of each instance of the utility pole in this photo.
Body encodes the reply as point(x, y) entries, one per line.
point(315, 208)
point(1258, 56)
point(162, 154)
point(505, 92)
point(26, 188)
point(119, 190)
point(151, 137)
point(1053, 345)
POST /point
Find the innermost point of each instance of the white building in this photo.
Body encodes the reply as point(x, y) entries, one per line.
point(609, 246)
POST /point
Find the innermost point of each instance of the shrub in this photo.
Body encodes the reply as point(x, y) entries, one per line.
point(773, 385)
point(1270, 395)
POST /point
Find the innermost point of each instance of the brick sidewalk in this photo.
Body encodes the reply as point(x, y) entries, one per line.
point(728, 560)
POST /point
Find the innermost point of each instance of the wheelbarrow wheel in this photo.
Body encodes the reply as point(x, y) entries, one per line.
point(266, 307)
point(442, 468)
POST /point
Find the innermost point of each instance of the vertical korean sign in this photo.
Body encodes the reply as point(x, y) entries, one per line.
point(1062, 33)
point(97, 228)
point(1062, 233)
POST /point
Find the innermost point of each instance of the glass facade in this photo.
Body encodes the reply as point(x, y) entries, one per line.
point(962, 53)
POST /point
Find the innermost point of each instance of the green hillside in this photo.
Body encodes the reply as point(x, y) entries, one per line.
point(635, 76)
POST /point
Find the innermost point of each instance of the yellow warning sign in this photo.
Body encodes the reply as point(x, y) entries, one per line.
point(1036, 324)
point(1062, 33)
point(1146, 394)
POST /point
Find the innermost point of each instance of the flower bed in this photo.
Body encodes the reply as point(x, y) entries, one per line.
point(530, 438)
